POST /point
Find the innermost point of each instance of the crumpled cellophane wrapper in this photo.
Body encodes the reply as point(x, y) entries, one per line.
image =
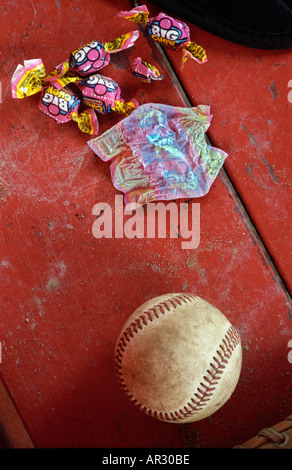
point(159, 152)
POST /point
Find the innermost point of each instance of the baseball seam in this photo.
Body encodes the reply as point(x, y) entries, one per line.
point(213, 374)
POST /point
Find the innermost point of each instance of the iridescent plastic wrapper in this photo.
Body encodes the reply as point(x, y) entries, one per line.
point(167, 31)
point(159, 152)
point(56, 99)
point(104, 95)
point(95, 55)
point(145, 71)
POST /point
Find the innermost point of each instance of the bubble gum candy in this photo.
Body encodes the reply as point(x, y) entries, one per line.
point(56, 100)
point(62, 106)
point(91, 57)
point(167, 31)
point(145, 71)
point(104, 95)
point(159, 152)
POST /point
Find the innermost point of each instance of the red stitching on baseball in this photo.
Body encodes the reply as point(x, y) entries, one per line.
point(213, 375)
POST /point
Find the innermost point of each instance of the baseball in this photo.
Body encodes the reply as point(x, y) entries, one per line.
point(178, 358)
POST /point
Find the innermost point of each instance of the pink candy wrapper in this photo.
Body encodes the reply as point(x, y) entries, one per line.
point(95, 55)
point(63, 106)
point(104, 95)
point(145, 71)
point(167, 31)
point(159, 152)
